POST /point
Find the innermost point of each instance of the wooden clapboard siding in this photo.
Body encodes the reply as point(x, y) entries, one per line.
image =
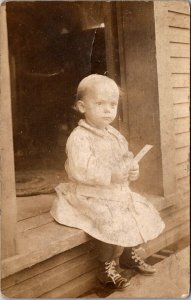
point(179, 35)
point(181, 110)
point(182, 155)
point(178, 20)
point(183, 185)
point(182, 140)
point(179, 52)
point(181, 95)
point(175, 6)
point(180, 80)
point(182, 170)
point(179, 65)
point(182, 125)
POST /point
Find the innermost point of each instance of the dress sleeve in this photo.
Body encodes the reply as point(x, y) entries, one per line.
point(82, 164)
point(127, 155)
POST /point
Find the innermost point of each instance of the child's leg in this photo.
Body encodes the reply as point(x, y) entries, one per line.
point(107, 252)
point(130, 259)
point(108, 274)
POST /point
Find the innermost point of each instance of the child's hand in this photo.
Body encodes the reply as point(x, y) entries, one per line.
point(134, 171)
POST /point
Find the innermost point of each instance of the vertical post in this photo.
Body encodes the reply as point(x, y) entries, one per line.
point(8, 196)
point(122, 63)
point(111, 41)
point(165, 100)
point(114, 63)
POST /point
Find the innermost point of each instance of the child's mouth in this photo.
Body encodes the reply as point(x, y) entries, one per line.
point(107, 118)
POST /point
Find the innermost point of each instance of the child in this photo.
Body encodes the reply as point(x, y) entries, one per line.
point(98, 199)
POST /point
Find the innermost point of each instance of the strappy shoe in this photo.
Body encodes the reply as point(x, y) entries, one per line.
point(111, 278)
point(138, 264)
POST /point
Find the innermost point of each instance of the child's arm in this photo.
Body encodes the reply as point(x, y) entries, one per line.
point(82, 165)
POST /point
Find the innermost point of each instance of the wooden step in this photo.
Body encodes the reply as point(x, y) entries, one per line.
point(51, 279)
point(40, 244)
point(34, 205)
point(74, 288)
point(45, 266)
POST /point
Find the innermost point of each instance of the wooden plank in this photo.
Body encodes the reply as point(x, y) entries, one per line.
point(166, 252)
point(182, 170)
point(74, 288)
point(159, 256)
point(179, 35)
point(181, 95)
point(184, 195)
point(175, 216)
point(49, 280)
point(34, 222)
point(182, 125)
point(179, 50)
point(168, 238)
point(181, 110)
point(170, 211)
point(179, 216)
point(178, 20)
point(180, 80)
point(182, 140)
point(179, 6)
point(165, 97)
point(44, 266)
point(42, 237)
point(8, 198)
point(182, 155)
point(34, 205)
point(179, 65)
point(62, 239)
point(183, 185)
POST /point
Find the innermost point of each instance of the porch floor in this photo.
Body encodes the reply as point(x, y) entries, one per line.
point(170, 281)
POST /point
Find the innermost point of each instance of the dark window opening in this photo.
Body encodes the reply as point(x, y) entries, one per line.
point(50, 52)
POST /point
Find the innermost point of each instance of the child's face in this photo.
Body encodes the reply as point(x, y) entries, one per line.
point(100, 105)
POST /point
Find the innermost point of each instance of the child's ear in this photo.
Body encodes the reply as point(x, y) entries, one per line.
point(81, 106)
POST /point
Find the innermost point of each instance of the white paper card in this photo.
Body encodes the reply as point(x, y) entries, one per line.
point(143, 152)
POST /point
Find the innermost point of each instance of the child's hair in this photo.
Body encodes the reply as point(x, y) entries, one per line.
point(93, 79)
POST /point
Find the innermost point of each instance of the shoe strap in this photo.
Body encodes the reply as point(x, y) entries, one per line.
point(112, 272)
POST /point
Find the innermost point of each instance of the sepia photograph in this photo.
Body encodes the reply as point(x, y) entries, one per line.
point(95, 149)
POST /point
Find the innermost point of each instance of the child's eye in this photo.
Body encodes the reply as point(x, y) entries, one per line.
point(99, 103)
point(113, 104)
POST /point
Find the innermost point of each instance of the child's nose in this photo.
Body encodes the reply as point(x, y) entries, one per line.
point(106, 108)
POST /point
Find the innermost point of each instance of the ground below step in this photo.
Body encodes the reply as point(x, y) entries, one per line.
point(170, 281)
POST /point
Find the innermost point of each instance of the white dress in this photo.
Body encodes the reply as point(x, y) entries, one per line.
point(89, 201)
